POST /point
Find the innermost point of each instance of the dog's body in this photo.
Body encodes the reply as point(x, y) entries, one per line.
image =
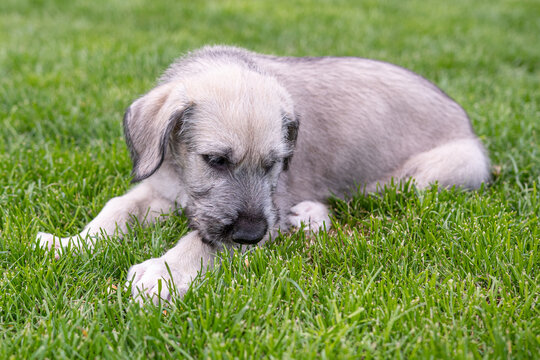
point(247, 144)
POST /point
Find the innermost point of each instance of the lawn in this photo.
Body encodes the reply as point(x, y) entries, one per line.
point(409, 274)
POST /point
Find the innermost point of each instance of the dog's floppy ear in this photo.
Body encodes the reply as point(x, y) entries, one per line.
point(148, 124)
point(291, 124)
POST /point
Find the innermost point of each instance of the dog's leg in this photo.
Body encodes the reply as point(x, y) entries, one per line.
point(314, 215)
point(146, 202)
point(462, 163)
point(155, 278)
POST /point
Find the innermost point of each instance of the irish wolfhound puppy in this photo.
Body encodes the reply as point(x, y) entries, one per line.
point(246, 144)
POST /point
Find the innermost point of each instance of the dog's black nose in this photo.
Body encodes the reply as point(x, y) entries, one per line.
point(249, 231)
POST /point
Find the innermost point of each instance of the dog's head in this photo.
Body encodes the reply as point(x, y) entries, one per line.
point(229, 132)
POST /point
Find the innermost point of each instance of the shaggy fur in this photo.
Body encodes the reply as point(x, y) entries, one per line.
point(247, 144)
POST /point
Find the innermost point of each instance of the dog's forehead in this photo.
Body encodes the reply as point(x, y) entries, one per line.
point(237, 110)
point(254, 132)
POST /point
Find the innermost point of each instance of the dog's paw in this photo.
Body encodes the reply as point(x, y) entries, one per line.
point(314, 215)
point(152, 279)
point(57, 244)
point(49, 242)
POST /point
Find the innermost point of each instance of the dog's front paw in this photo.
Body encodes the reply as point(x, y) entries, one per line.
point(49, 242)
point(152, 279)
point(57, 244)
point(314, 215)
point(169, 275)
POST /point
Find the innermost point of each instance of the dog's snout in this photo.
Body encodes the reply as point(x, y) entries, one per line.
point(249, 230)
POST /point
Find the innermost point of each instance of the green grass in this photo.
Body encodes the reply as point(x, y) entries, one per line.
point(410, 274)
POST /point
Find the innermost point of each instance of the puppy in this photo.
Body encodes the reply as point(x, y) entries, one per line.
point(246, 144)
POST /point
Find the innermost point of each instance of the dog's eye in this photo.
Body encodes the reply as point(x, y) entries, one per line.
point(216, 161)
point(267, 166)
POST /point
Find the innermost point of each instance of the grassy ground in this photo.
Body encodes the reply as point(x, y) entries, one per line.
point(435, 275)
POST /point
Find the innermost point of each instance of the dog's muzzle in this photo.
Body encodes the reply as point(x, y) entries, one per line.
point(249, 230)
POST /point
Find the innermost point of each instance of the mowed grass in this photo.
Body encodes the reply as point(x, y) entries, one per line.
point(409, 274)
